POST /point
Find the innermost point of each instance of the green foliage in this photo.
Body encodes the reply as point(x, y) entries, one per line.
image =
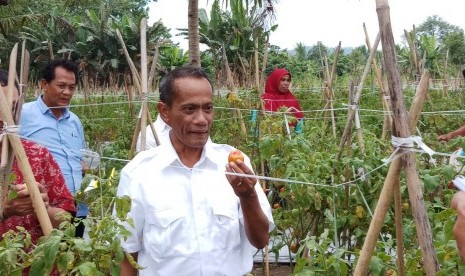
point(100, 254)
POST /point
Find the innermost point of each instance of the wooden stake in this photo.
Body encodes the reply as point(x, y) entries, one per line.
point(144, 82)
point(385, 197)
point(401, 129)
point(387, 118)
point(257, 69)
point(132, 67)
point(6, 152)
point(232, 89)
point(153, 68)
point(135, 135)
point(399, 232)
point(357, 98)
point(23, 162)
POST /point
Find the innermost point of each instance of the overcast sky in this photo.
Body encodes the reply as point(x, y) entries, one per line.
point(329, 21)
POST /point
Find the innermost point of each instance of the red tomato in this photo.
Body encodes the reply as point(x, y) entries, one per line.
point(235, 155)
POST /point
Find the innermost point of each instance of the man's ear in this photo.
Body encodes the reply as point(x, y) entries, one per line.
point(163, 111)
point(43, 84)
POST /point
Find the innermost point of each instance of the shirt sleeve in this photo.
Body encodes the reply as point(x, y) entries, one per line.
point(128, 187)
point(262, 199)
point(81, 134)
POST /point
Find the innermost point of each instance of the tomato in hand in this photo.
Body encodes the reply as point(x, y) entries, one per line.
point(235, 155)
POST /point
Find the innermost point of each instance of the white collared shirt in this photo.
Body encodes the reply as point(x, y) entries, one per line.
point(187, 221)
point(163, 134)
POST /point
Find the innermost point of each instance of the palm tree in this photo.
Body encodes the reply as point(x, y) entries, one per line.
point(264, 17)
point(193, 30)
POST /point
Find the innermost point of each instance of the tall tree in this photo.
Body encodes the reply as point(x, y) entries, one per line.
point(193, 22)
point(193, 30)
point(437, 27)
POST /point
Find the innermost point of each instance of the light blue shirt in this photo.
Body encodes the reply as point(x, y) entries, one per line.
point(63, 137)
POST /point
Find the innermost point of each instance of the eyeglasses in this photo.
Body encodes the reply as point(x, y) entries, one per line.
point(64, 86)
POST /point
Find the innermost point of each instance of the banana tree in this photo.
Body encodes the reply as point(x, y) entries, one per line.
point(266, 6)
point(171, 56)
point(431, 53)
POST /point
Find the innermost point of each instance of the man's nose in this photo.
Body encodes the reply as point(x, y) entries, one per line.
point(66, 90)
point(201, 117)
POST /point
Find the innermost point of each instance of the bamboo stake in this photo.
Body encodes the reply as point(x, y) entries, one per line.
point(261, 86)
point(399, 231)
point(23, 162)
point(357, 97)
point(392, 177)
point(153, 68)
point(152, 128)
point(445, 82)
point(387, 118)
point(9, 99)
point(232, 89)
point(257, 69)
point(260, 90)
point(358, 128)
point(328, 93)
point(143, 61)
point(23, 80)
point(331, 92)
point(142, 83)
point(6, 153)
point(134, 139)
point(401, 129)
point(132, 67)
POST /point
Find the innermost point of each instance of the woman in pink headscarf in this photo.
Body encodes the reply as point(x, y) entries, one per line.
point(277, 93)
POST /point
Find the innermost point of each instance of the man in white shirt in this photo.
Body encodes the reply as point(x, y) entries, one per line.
point(458, 203)
point(163, 134)
point(162, 130)
point(190, 217)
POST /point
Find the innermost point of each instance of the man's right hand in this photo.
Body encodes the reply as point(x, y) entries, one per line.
point(445, 137)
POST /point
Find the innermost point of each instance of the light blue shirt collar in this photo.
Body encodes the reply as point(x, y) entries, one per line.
point(44, 108)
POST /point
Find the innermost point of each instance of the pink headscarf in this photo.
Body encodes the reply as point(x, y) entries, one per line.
point(274, 99)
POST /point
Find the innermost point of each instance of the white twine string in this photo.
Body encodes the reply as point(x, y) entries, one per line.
point(267, 178)
point(8, 129)
point(407, 143)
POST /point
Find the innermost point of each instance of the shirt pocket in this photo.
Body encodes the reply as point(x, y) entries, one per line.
point(226, 228)
point(166, 234)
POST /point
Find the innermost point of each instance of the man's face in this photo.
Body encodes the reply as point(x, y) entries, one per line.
point(59, 91)
point(191, 113)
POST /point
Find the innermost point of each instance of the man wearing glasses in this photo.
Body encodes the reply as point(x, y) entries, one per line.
point(49, 122)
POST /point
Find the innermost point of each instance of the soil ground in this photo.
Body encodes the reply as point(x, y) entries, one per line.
point(275, 269)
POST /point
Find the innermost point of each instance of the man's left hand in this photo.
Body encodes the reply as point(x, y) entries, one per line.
point(243, 186)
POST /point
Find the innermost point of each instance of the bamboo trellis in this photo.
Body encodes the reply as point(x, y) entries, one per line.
point(402, 126)
point(141, 81)
point(12, 144)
